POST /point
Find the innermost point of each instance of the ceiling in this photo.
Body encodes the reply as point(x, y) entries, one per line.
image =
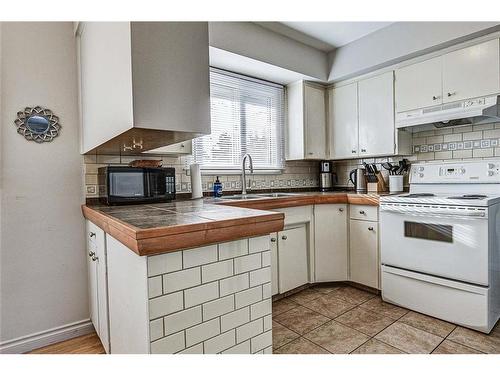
point(325, 36)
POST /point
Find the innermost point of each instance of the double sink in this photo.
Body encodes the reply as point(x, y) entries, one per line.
point(258, 196)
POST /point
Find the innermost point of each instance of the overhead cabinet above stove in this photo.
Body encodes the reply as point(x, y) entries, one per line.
point(143, 85)
point(458, 75)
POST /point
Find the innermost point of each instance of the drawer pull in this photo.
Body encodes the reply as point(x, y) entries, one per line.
point(341, 210)
point(273, 239)
point(92, 234)
point(94, 258)
point(370, 228)
point(284, 237)
point(362, 212)
point(91, 253)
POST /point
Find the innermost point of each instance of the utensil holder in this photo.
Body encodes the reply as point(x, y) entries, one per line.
point(396, 184)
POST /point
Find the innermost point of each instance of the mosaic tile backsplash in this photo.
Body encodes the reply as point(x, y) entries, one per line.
point(297, 174)
point(458, 143)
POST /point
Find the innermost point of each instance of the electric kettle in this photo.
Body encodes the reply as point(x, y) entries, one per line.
point(357, 177)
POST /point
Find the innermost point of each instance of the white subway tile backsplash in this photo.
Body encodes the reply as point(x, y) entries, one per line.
point(243, 348)
point(216, 271)
point(195, 349)
point(257, 244)
point(266, 290)
point(235, 319)
point(201, 294)
point(492, 133)
point(262, 341)
point(234, 284)
point(199, 256)
point(247, 263)
point(460, 154)
point(268, 322)
point(164, 263)
point(156, 329)
point(155, 286)
point(452, 138)
point(179, 280)
point(182, 320)
point(260, 276)
point(268, 350)
point(472, 135)
point(165, 305)
point(169, 344)
point(219, 343)
point(247, 297)
point(218, 307)
point(266, 258)
point(202, 332)
point(260, 309)
point(233, 249)
point(482, 153)
point(249, 330)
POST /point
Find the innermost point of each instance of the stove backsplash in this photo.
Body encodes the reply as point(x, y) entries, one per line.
point(461, 143)
point(296, 175)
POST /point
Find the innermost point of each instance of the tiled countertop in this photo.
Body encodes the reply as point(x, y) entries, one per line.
point(158, 228)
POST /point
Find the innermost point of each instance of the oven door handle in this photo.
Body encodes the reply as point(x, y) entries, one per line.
point(436, 213)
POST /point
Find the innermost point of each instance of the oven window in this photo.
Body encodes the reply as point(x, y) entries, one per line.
point(433, 232)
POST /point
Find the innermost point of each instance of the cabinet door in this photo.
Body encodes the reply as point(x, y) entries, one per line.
point(364, 252)
point(419, 85)
point(292, 258)
point(343, 121)
point(92, 275)
point(102, 288)
point(330, 238)
point(376, 115)
point(471, 72)
point(182, 148)
point(315, 122)
point(274, 264)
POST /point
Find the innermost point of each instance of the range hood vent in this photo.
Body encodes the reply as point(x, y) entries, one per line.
point(473, 111)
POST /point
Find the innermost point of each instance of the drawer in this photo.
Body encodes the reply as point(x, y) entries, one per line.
point(362, 212)
point(297, 215)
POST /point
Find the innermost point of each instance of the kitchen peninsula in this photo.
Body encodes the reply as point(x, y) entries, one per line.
point(191, 276)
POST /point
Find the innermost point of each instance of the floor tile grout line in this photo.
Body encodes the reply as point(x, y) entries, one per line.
point(456, 342)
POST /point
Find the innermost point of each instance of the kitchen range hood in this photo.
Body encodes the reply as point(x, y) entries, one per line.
point(467, 112)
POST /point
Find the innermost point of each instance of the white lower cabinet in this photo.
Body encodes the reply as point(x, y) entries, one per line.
point(363, 252)
point(330, 242)
point(98, 282)
point(274, 264)
point(292, 258)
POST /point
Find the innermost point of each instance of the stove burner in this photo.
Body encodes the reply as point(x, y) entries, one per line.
point(469, 196)
point(419, 195)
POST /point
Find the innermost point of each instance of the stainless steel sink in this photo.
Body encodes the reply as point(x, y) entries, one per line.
point(257, 196)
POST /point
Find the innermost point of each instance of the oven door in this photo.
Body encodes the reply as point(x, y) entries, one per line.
point(448, 242)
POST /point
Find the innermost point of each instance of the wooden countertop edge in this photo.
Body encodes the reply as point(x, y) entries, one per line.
point(167, 239)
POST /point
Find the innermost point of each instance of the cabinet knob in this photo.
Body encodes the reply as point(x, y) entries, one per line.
point(273, 239)
point(94, 258)
point(341, 210)
point(451, 94)
point(370, 228)
point(363, 150)
point(284, 237)
point(353, 151)
point(91, 253)
point(435, 97)
point(91, 234)
point(361, 212)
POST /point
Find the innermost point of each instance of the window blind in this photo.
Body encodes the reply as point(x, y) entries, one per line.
point(247, 116)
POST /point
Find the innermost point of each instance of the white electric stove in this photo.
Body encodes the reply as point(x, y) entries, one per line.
point(440, 243)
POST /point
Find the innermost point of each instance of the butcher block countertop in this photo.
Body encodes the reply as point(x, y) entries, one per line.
point(151, 229)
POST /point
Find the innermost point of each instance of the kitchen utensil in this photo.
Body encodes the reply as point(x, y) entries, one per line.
point(387, 167)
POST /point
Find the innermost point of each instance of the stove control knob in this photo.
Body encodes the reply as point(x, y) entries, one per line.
point(420, 175)
point(462, 170)
point(491, 165)
point(491, 173)
point(420, 169)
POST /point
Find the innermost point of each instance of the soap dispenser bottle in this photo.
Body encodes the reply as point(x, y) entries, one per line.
point(217, 188)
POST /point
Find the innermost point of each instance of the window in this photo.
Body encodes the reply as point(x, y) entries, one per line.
point(247, 116)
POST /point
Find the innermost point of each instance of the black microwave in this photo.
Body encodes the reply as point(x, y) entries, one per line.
point(126, 185)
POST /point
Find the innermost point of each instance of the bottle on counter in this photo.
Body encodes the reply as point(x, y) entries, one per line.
point(217, 188)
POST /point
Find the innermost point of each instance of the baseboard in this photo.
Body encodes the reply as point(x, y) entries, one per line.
point(44, 338)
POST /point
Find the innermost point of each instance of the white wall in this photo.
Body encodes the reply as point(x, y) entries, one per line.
point(42, 258)
point(398, 42)
point(259, 43)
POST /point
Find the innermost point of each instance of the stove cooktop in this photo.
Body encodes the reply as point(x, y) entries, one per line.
point(451, 199)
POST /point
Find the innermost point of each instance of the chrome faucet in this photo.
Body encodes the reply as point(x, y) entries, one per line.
point(243, 172)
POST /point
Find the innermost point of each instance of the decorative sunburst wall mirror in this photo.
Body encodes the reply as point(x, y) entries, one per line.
point(37, 124)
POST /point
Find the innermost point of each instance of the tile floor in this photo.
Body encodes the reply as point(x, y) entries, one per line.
point(342, 319)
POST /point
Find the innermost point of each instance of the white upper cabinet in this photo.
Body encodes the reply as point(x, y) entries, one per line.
point(376, 115)
point(343, 121)
point(462, 74)
point(471, 72)
point(419, 85)
point(306, 126)
point(143, 85)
